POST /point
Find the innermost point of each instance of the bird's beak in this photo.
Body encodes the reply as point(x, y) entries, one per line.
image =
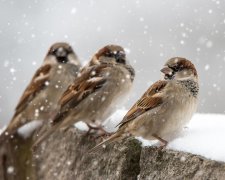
point(61, 52)
point(167, 71)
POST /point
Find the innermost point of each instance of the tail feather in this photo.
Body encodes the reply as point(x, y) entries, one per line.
point(55, 125)
point(108, 141)
point(45, 136)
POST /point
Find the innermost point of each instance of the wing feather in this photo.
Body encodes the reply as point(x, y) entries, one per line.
point(37, 83)
point(149, 100)
point(88, 82)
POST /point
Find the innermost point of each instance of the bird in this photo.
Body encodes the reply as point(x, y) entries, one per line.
point(100, 87)
point(164, 109)
point(39, 100)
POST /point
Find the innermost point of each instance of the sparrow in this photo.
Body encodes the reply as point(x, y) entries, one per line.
point(96, 92)
point(164, 108)
point(39, 100)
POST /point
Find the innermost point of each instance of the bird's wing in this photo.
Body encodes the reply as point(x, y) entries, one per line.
point(38, 82)
point(151, 99)
point(88, 82)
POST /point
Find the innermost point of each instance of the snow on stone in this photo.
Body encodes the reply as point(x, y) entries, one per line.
point(111, 123)
point(26, 130)
point(34, 63)
point(202, 136)
point(81, 126)
point(209, 44)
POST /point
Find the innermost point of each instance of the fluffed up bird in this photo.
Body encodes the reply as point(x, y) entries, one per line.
point(98, 90)
point(165, 107)
point(39, 100)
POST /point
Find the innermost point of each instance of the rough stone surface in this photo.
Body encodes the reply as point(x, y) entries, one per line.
point(15, 159)
point(65, 156)
point(168, 164)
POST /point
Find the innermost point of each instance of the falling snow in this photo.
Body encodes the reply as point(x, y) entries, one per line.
point(151, 33)
point(73, 11)
point(10, 170)
point(207, 66)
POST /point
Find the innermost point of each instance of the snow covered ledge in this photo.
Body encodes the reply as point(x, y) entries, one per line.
point(125, 160)
point(63, 155)
point(68, 159)
point(169, 164)
point(204, 136)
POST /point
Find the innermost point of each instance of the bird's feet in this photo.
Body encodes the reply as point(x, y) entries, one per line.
point(162, 141)
point(99, 131)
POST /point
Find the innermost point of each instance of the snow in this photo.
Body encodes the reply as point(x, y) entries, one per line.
point(109, 125)
point(202, 136)
point(207, 66)
point(81, 126)
point(112, 121)
point(26, 130)
point(10, 170)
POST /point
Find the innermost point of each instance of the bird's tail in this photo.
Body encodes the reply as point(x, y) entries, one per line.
point(55, 125)
point(108, 141)
point(44, 136)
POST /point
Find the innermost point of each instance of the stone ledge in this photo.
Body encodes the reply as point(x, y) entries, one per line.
point(169, 164)
point(67, 158)
point(64, 157)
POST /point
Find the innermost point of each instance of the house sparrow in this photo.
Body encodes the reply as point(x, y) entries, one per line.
point(39, 100)
point(164, 108)
point(97, 91)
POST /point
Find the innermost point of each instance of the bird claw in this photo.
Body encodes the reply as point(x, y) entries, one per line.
point(99, 131)
point(162, 147)
point(162, 141)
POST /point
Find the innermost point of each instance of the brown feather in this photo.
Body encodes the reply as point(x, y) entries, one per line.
point(187, 64)
point(33, 88)
point(149, 100)
point(89, 81)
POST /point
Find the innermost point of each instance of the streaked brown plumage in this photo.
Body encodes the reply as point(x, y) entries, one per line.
point(39, 100)
point(95, 94)
point(164, 108)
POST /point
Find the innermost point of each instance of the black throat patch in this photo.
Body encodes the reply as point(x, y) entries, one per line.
point(191, 86)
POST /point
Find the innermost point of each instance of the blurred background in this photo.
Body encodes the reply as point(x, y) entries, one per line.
point(151, 31)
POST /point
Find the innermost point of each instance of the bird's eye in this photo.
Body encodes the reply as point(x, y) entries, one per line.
point(109, 54)
point(54, 51)
point(177, 68)
point(119, 56)
point(120, 60)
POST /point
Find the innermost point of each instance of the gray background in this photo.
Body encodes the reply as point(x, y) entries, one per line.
point(151, 30)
